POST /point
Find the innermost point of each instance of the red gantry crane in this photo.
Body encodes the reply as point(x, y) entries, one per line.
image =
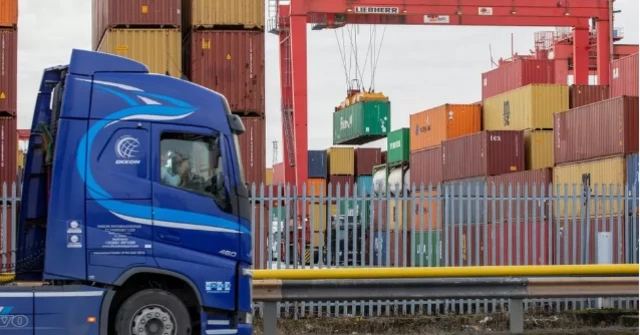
point(289, 20)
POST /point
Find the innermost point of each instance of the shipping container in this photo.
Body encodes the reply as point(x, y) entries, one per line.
point(601, 129)
point(317, 162)
point(350, 207)
point(380, 214)
point(268, 176)
point(159, 49)
point(341, 160)
point(317, 214)
point(365, 160)
point(224, 14)
point(426, 167)
point(383, 157)
point(8, 145)
point(20, 158)
point(516, 243)
point(432, 126)
point(580, 95)
point(538, 146)
point(362, 122)
point(427, 216)
point(392, 249)
point(400, 214)
point(608, 171)
point(260, 226)
point(528, 107)
point(231, 63)
point(278, 174)
point(625, 78)
point(8, 72)
point(632, 182)
point(464, 201)
point(8, 13)
point(109, 14)
point(24, 134)
point(427, 248)
point(516, 74)
point(398, 146)
point(341, 183)
point(365, 185)
point(317, 187)
point(576, 242)
point(487, 153)
point(253, 149)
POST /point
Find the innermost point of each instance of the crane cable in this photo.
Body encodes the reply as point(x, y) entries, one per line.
point(371, 52)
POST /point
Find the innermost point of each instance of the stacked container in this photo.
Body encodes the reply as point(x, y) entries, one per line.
point(341, 163)
point(8, 106)
point(224, 51)
point(365, 160)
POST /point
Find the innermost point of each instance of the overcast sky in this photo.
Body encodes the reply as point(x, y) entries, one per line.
point(418, 67)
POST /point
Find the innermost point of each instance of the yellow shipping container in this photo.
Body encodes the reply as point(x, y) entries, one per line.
point(318, 217)
point(602, 172)
point(159, 49)
point(396, 215)
point(247, 13)
point(538, 149)
point(527, 107)
point(341, 160)
point(268, 176)
point(20, 158)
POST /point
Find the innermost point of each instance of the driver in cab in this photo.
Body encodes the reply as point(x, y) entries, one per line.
point(176, 173)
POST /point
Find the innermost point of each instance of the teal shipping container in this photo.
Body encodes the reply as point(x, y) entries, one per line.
point(398, 146)
point(427, 248)
point(365, 184)
point(361, 123)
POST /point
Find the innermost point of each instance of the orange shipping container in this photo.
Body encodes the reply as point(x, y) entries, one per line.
point(8, 13)
point(432, 126)
point(429, 217)
point(317, 187)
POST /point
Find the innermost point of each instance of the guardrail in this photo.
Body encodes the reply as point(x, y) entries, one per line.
point(513, 283)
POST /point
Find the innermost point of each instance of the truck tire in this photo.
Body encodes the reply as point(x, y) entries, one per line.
point(152, 312)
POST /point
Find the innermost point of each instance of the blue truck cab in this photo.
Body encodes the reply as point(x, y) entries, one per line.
point(134, 216)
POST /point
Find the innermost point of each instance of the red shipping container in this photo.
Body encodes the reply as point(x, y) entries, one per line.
point(601, 129)
point(253, 150)
point(625, 78)
point(261, 236)
point(380, 214)
point(426, 167)
point(580, 95)
point(527, 243)
point(569, 235)
point(24, 134)
point(518, 73)
point(487, 153)
point(278, 174)
point(8, 72)
point(383, 157)
point(340, 182)
point(538, 179)
point(366, 159)
point(231, 63)
point(8, 150)
point(132, 13)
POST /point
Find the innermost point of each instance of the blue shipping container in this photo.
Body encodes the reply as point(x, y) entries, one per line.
point(317, 164)
point(632, 177)
point(380, 248)
point(365, 183)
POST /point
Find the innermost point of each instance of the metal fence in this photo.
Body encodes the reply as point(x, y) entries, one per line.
point(471, 224)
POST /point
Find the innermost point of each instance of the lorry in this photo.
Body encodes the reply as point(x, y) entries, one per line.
point(134, 215)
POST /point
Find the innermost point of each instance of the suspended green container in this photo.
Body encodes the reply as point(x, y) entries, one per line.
point(398, 146)
point(427, 248)
point(362, 122)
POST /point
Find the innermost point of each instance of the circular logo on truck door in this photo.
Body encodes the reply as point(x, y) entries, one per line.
point(126, 149)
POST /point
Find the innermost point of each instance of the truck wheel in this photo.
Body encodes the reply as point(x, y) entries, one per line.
point(153, 312)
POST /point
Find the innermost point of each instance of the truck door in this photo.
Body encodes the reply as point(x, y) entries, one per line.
point(192, 218)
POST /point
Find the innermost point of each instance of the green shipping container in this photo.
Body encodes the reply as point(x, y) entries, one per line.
point(427, 248)
point(362, 122)
point(398, 146)
point(351, 207)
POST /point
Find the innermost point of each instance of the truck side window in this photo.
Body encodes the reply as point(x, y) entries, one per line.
point(193, 162)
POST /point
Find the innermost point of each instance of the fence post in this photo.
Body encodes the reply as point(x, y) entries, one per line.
point(270, 318)
point(516, 316)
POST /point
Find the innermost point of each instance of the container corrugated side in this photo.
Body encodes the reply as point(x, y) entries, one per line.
point(8, 153)
point(528, 107)
point(253, 149)
point(341, 160)
point(625, 78)
point(602, 172)
point(522, 186)
point(8, 72)
point(131, 13)
point(632, 181)
point(601, 129)
point(392, 248)
point(491, 153)
point(427, 248)
point(398, 146)
point(8, 13)
point(516, 74)
point(159, 49)
point(231, 63)
point(317, 164)
point(427, 216)
point(317, 187)
point(223, 13)
point(426, 167)
point(278, 174)
point(268, 176)
point(569, 237)
point(361, 122)
point(538, 149)
point(400, 214)
point(365, 160)
point(340, 184)
point(580, 95)
point(365, 185)
point(318, 215)
point(430, 127)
